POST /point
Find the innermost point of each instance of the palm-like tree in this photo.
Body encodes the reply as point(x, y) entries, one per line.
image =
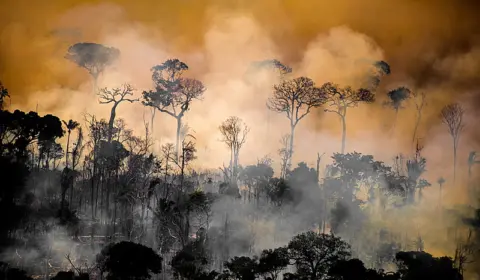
point(440, 182)
point(71, 125)
point(3, 95)
point(396, 99)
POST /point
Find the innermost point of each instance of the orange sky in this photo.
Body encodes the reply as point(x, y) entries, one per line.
point(430, 44)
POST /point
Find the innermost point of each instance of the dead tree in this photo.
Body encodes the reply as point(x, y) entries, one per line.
point(115, 96)
point(234, 133)
point(452, 117)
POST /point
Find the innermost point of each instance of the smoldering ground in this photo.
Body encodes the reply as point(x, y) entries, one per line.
point(432, 46)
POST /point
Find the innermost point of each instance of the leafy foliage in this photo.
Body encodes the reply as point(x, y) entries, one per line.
point(128, 260)
point(315, 253)
point(20, 129)
point(92, 56)
point(397, 97)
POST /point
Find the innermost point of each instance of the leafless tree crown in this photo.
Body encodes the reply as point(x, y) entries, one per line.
point(234, 132)
point(296, 98)
point(452, 117)
point(117, 95)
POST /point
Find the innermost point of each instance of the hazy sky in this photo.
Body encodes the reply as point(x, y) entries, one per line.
point(430, 45)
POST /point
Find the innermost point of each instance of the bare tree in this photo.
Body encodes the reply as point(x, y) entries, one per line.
point(173, 94)
point(464, 251)
point(420, 103)
point(95, 58)
point(296, 98)
point(116, 96)
point(234, 132)
point(340, 99)
point(452, 117)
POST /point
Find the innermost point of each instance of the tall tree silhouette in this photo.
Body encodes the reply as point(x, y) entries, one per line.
point(452, 117)
point(173, 93)
point(115, 96)
point(93, 57)
point(340, 99)
point(420, 103)
point(396, 98)
point(70, 125)
point(234, 133)
point(295, 98)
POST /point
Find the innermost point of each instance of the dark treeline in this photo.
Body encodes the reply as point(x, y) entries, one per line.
point(106, 206)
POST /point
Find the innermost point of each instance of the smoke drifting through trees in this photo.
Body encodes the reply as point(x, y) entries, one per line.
point(173, 93)
point(112, 183)
point(234, 133)
point(452, 117)
point(95, 58)
point(295, 98)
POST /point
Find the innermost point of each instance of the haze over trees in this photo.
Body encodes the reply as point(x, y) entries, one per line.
point(295, 98)
point(340, 99)
point(93, 57)
point(452, 117)
point(110, 207)
point(173, 93)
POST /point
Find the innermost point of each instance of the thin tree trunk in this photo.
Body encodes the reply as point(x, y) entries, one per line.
point(344, 131)
point(394, 122)
point(68, 146)
point(440, 196)
point(95, 83)
point(454, 162)
point(417, 123)
point(231, 163)
point(114, 220)
point(292, 133)
point(111, 122)
point(71, 189)
point(177, 148)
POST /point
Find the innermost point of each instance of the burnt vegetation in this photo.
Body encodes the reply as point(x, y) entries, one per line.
point(105, 206)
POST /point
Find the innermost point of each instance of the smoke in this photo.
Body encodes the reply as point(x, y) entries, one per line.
point(431, 46)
